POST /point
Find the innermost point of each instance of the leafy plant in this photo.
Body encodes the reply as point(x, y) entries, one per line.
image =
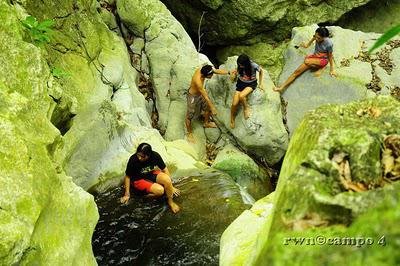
point(385, 37)
point(60, 73)
point(39, 32)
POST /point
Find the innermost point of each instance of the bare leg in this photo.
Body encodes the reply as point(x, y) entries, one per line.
point(156, 190)
point(242, 98)
point(300, 70)
point(188, 123)
point(319, 72)
point(235, 103)
point(165, 180)
point(207, 123)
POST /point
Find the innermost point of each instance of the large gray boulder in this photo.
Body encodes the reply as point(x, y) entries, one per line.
point(263, 134)
point(356, 72)
point(172, 59)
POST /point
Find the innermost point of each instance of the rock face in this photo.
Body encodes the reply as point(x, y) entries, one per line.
point(244, 171)
point(376, 16)
point(356, 71)
point(332, 185)
point(42, 212)
point(245, 22)
point(263, 134)
point(172, 59)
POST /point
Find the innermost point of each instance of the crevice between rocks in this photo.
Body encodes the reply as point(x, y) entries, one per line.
point(145, 85)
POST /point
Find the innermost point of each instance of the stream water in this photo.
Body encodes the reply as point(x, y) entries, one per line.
point(145, 232)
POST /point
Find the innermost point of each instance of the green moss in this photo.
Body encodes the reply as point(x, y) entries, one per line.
point(39, 208)
point(309, 191)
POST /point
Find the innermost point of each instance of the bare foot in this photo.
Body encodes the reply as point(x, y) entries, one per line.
point(210, 125)
point(232, 124)
point(318, 72)
point(190, 138)
point(176, 192)
point(174, 207)
point(277, 89)
point(246, 113)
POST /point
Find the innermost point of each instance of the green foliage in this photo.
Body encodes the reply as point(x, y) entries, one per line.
point(39, 32)
point(385, 37)
point(60, 73)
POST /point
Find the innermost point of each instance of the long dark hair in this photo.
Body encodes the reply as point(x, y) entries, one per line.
point(247, 67)
point(145, 149)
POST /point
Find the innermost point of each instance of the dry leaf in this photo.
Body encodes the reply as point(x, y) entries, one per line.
point(341, 163)
point(374, 112)
point(393, 142)
point(310, 221)
point(387, 161)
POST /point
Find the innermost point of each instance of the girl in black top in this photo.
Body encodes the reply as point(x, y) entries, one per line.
point(142, 174)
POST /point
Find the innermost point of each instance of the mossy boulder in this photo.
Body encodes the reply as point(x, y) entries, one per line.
point(42, 212)
point(244, 171)
point(313, 195)
point(239, 240)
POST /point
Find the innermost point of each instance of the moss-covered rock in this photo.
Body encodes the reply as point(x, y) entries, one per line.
point(245, 22)
point(45, 219)
point(313, 196)
point(376, 16)
point(244, 171)
point(239, 239)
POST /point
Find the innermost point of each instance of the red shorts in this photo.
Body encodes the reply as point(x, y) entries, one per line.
point(145, 184)
point(323, 61)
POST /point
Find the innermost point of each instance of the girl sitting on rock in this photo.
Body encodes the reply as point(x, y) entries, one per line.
point(318, 60)
point(246, 83)
point(141, 173)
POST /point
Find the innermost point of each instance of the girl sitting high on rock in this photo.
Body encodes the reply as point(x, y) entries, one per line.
point(319, 59)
